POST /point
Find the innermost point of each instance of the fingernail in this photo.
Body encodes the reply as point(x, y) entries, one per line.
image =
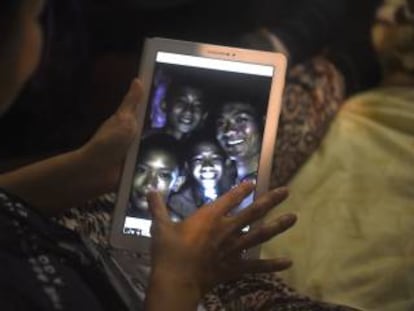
point(136, 83)
point(281, 190)
point(288, 220)
point(248, 184)
point(285, 262)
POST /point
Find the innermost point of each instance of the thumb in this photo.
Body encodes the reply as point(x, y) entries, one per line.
point(132, 98)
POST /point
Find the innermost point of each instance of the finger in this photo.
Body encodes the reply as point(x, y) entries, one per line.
point(224, 204)
point(259, 208)
point(157, 207)
point(251, 266)
point(132, 98)
point(262, 234)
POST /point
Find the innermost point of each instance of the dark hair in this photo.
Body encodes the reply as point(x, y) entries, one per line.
point(178, 86)
point(165, 142)
point(256, 111)
point(203, 136)
point(229, 170)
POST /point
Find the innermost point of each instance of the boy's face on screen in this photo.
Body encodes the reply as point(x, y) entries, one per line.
point(187, 110)
point(237, 130)
point(156, 170)
point(207, 164)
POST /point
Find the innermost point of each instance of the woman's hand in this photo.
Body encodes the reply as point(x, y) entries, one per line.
point(192, 256)
point(60, 182)
point(106, 150)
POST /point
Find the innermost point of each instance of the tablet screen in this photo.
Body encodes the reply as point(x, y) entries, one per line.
point(202, 134)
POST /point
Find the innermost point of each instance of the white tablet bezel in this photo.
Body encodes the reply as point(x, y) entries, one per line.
point(152, 47)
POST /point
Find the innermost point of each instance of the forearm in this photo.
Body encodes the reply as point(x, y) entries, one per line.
point(166, 292)
point(57, 183)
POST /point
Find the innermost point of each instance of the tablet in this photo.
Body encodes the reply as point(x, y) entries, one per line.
point(208, 122)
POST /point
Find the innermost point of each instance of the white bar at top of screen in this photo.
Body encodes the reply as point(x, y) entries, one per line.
point(141, 224)
point(215, 64)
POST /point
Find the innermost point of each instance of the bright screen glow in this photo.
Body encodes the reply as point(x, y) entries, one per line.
point(202, 134)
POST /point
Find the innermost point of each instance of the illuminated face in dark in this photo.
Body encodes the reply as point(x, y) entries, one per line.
point(156, 170)
point(187, 110)
point(207, 164)
point(237, 130)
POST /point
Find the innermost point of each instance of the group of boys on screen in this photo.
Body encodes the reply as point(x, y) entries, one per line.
point(192, 161)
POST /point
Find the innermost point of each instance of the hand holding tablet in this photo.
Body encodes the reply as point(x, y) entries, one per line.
point(205, 249)
point(208, 123)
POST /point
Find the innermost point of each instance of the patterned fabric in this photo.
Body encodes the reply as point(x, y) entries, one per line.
point(93, 219)
point(313, 94)
point(44, 266)
point(262, 292)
